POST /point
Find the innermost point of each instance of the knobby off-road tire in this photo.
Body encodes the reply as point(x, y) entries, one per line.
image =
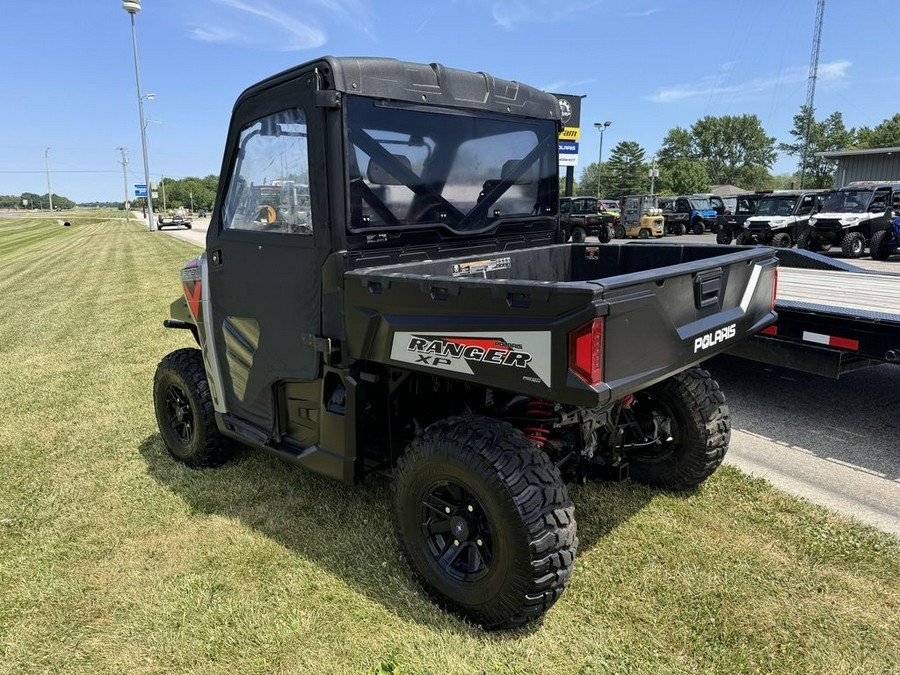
point(578, 235)
point(184, 411)
point(603, 236)
point(782, 240)
point(744, 239)
point(701, 430)
point(877, 248)
point(807, 242)
point(697, 226)
point(723, 236)
point(853, 245)
point(473, 479)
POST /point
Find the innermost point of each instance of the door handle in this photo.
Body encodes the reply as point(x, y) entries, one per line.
point(216, 256)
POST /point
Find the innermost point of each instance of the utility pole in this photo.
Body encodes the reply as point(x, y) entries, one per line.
point(124, 163)
point(47, 166)
point(811, 87)
point(192, 201)
point(162, 182)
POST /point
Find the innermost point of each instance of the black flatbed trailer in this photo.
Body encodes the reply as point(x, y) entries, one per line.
point(833, 317)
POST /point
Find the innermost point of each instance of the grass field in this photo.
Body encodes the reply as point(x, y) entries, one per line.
point(115, 559)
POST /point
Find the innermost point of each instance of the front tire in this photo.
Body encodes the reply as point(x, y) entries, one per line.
point(744, 239)
point(644, 234)
point(853, 245)
point(603, 235)
point(723, 236)
point(690, 418)
point(697, 226)
point(620, 232)
point(184, 411)
point(485, 521)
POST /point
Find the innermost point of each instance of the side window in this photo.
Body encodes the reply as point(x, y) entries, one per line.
point(806, 205)
point(269, 188)
point(565, 205)
point(682, 206)
point(879, 202)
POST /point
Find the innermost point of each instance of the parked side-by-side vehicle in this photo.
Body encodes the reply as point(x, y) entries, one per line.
point(850, 216)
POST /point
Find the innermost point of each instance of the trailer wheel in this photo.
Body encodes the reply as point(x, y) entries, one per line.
point(620, 232)
point(723, 236)
point(877, 248)
point(782, 240)
point(679, 430)
point(644, 234)
point(485, 521)
point(578, 235)
point(184, 411)
point(853, 245)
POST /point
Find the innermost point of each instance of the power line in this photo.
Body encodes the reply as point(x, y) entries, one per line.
point(67, 171)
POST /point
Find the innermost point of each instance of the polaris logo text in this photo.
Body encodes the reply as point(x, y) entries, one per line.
point(440, 351)
point(715, 337)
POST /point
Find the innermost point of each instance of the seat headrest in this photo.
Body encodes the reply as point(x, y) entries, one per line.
point(377, 174)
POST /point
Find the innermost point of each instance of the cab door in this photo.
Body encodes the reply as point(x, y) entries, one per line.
point(266, 246)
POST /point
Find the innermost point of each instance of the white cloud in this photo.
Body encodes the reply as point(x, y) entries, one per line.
point(717, 85)
point(508, 13)
point(645, 13)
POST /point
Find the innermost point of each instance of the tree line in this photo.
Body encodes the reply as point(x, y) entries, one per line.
point(733, 150)
point(32, 200)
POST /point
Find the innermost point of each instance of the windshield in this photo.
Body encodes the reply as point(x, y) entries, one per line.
point(776, 206)
point(846, 201)
point(700, 204)
point(466, 172)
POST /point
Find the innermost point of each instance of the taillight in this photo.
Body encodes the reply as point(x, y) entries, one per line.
point(774, 288)
point(585, 220)
point(586, 351)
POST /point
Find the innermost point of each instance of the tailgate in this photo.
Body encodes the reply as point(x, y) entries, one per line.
point(662, 321)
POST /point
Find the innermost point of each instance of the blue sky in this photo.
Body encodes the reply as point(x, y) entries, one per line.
point(645, 65)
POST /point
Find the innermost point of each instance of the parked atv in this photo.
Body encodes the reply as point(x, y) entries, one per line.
point(579, 218)
point(412, 310)
point(850, 216)
point(781, 218)
point(886, 243)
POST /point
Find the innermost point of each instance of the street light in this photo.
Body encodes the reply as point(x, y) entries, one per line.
point(124, 152)
point(601, 127)
point(133, 7)
point(47, 165)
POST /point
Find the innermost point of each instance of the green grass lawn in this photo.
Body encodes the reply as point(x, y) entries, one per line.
point(115, 559)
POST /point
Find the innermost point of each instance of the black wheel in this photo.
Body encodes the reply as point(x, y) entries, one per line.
point(723, 236)
point(678, 431)
point(603, 235)
point(744, 239)
point(807, 242)
point(877, 248)
point(644, 234)
point(578, 235)
point(188, 226)
point(184, 411)
point(782, 240)
point(680, 229)
point(697, 226)
point(853, 245)
point(619, 232)
point(485, 521)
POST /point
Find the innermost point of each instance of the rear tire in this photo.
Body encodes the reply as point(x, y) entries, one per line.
point(644, 234)
point(782, 240)
point(620, 232)
point(744, 239)
point(853, 245)
point(184, 411)
point(603, 235)
point(699, 430)
point(877, 248)
point(470, 479)
point(697, 226)
point(578, 235)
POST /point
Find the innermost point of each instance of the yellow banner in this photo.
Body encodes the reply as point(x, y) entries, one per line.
point(570, 134)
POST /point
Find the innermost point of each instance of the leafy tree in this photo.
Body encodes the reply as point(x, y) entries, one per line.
point(676, 146)
point(589, 181)
point(626, 171)
point(686, 177)
point(829, 134)
point(884, 135)
point(185, 191)
point(734, 148)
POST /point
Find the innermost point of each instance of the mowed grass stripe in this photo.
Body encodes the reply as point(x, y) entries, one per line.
point(114, 558)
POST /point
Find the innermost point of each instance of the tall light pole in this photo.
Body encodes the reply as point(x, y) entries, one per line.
point(133, 7)
point(124, 152)
point(47, 166)
point(601, 127)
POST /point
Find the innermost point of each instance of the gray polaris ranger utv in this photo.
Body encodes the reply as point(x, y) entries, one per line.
point(385, 288)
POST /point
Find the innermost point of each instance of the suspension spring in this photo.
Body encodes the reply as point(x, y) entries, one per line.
point(539, 413)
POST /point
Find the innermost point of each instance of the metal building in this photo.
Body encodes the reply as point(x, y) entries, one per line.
point(881, 164)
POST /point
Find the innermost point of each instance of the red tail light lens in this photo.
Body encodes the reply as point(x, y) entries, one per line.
point(774, 288)
point(586, 351)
